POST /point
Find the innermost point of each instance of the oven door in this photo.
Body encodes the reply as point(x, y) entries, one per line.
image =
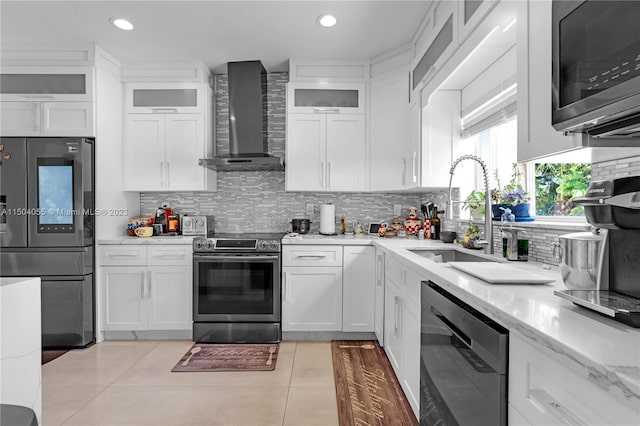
point(236, 287)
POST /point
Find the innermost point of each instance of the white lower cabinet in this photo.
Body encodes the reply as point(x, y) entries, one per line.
point(402, 328)
point(545, 391)
point(378, 321)
point(312, 299)
point(328, 288)
point(358, 288)
point(139, 294)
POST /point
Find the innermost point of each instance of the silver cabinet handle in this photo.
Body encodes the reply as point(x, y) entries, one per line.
point(172, 256)
point(142, 283)
point(328, 174)
point(163, 110)
point(122, 254)
point(168, 174)
point(404, 171)
point(395, 316)
point(285, 295)
point(379, 271)
point(555, 407)
point(311, 255)
point(413, 167)
point(38, 97)
point(161, 173)
point(150, 274)
point(322, 174)
point(327, 110)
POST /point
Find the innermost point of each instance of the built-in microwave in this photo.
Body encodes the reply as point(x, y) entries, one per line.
point(596, 69)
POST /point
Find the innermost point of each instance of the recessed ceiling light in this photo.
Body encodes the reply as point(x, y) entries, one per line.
point(121, 23)
point(327, 20)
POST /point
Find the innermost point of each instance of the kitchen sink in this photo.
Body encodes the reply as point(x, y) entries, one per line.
point(450, 256)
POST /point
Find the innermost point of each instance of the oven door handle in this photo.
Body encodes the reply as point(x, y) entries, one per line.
point(236, 258)
point(453, 329)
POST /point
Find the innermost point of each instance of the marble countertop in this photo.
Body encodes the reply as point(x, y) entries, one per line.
point(178, 239)
point(604, 351)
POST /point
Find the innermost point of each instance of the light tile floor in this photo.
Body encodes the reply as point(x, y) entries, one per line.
point(131, 383)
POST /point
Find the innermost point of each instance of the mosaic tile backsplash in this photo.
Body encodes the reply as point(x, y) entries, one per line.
point(257, 201)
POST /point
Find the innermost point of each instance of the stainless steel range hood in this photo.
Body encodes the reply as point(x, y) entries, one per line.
point(247, 122)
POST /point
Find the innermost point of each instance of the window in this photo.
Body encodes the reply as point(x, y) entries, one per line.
point(556, 185)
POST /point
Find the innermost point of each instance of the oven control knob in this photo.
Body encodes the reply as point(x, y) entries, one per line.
point(273, 245)
point(198, 245)
point(262, 245)
point(209, 245)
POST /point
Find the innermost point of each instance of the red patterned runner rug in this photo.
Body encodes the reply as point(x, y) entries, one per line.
point(367, 389)
point(229, 357)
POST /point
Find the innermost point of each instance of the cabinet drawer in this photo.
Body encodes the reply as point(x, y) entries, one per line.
point(547, 392)
point(122, 255)
point(393, 270)
point(412, 282)
point(169, 255)
point(312, 256)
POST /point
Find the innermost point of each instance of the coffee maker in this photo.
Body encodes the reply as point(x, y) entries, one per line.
point(613, 206)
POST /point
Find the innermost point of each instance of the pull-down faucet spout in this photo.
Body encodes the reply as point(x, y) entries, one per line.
point(488, 228)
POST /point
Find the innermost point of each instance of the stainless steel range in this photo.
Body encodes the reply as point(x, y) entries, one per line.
point(236, 288)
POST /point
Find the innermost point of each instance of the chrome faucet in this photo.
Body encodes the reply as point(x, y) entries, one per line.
point(488, 228)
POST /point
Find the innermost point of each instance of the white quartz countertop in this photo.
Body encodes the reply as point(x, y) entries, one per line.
point(605, 351)
point(178, 239)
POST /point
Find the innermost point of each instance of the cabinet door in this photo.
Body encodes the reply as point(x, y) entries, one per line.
point(306, 152)
point(410, 379)
point(359, 286)
point(20, 118)
point(345, 153)
point(144, 153)
point(389, 153)
point(379, 298)
point(341, 98)
point(34, 83)
point(470, 14)
point(440, 132)
point(184, 98)
point(68, 119)
point(184, 146)
point(312, 299)
point(169, 297)
point(536, 136)
point(123, 297)
point(392, 326)
point(413, 171)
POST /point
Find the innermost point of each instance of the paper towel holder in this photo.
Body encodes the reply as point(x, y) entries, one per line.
point(327, 219)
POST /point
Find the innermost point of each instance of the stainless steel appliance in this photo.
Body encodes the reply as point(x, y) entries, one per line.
point(236, 288)
point(463, 362)
point(197, 225)
point(47, 230)
point(614, 207)
point(247, 81)
point(596, 70)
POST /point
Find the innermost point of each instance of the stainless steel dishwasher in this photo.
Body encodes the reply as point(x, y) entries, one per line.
point(463, 362)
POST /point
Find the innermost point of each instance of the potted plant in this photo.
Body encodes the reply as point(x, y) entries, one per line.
point(475, 204)
point(512, 196)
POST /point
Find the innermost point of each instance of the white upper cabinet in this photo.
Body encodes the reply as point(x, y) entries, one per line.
point(536, 137)
point(337, 98)
point(326, 137)
point(389, 154)
point(167, 130)
point(32, 83)
point(440, 35)
point(168, 98)
point(470, 14)
point(47, 101)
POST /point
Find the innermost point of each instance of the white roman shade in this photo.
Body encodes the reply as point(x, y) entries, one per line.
point(495, 107)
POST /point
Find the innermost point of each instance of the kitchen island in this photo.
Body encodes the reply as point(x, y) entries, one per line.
point(20, 345)
point(600, 356)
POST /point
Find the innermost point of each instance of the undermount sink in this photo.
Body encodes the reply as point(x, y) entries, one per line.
point(450, 256)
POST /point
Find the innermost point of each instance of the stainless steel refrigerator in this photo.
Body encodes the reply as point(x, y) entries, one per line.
point(47, 230)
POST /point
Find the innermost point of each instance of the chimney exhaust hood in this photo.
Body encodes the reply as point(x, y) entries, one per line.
point(247, 122)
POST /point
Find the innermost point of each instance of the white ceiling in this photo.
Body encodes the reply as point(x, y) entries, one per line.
point(216, 32)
